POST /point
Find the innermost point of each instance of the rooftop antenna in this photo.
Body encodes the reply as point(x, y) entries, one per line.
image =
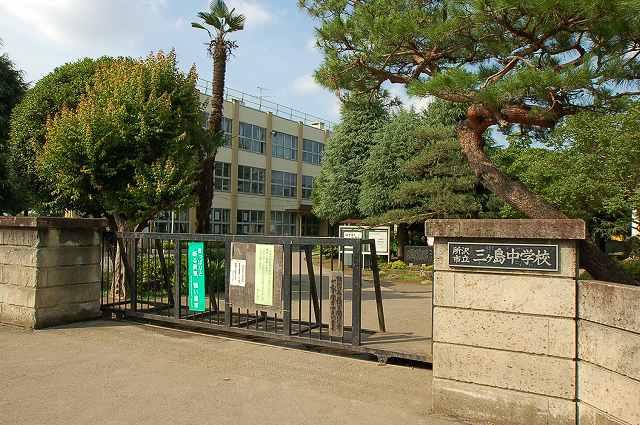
point(261, 95)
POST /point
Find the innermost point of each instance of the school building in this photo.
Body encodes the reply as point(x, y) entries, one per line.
point(264, 173)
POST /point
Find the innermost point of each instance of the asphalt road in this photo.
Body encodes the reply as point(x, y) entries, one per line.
point(108, 372)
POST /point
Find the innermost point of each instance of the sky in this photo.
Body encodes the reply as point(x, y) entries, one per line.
point(276, 50)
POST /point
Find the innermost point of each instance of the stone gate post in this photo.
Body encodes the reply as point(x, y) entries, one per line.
point(49, 270)
point(504, 320)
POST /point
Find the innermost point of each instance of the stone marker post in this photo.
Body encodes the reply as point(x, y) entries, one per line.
point(504, 320)
point(49, 270)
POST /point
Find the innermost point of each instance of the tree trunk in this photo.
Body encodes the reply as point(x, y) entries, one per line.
point(165, 272)
point(204, 191)
point(122, 272)
point(601, 266)
point(470, 131)
point(402, 240)
point(205, 186)
point(118, 285)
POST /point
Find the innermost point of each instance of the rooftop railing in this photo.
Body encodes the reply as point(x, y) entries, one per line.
point(261, 104)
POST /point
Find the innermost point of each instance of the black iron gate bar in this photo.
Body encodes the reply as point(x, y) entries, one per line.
point(140, 246)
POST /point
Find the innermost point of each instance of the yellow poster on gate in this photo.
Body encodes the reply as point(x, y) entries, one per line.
point(264, 274)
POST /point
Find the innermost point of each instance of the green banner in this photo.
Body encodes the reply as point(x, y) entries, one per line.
point(196, 276)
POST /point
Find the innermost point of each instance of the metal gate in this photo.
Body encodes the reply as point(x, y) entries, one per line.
point(153, 286)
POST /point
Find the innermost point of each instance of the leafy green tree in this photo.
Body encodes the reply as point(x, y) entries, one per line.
point(509, 62)
point(12, 88)
point(126, 150)
point(417, 171)
point(336, 190)
point(64, 87)
point(383, 171)
point(405, 177)
point(222, 22)
point(588, 167)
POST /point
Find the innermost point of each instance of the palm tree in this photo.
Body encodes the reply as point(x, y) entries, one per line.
point(218, 22)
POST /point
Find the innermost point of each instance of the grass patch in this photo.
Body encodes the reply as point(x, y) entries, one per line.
point(416, 274)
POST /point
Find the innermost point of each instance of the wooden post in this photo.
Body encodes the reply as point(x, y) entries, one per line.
point(356, 293)
point(308, 253)
point(286, 290)
point(336, 304)
point(376, 286)
point(227, 281)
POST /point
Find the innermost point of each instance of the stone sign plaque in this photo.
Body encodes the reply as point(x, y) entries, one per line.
point(418, 254)
point(504, 256)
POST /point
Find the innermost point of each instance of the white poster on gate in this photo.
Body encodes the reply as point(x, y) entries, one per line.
point(238, 275)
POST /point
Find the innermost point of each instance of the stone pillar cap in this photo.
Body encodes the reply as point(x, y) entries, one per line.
point(507, 229)
point(56, 222)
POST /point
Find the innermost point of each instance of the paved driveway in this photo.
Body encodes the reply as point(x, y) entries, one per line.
point(107, 372)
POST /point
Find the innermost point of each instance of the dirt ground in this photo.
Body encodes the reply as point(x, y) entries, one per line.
point(108, 372)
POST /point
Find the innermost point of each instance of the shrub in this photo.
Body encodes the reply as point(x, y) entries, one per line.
point(585, 275)
point(632, 266)
point(152, 281)
point(632, 247)
point(327, 251)
point(398, 265)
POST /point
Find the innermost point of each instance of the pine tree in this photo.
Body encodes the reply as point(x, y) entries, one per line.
point(509, 62)
point(588, 167)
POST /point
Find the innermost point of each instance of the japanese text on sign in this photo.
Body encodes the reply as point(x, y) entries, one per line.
point(264, 274)
point(504, 256)
point(196, 276)
point(238, 273)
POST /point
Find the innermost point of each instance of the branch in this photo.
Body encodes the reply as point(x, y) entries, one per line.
point(384, 75)
point(508, 67)
point(523, 114)
point(619, 95)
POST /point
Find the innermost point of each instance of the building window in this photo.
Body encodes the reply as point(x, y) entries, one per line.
point(250, 179)
point(252, 137)
point(307, 187)
point(226, 125)
point(205, 119)
point(283, 223)
point(250, 222)
point(171, 222)
point(283, 184)
point(222, 176)
point(221, 221)
point(312, 151)
point(284, 146)
point(310, 225)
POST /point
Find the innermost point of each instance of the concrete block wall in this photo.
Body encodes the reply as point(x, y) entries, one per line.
point(504, 341)
point(609, 353)
point(49, 270)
